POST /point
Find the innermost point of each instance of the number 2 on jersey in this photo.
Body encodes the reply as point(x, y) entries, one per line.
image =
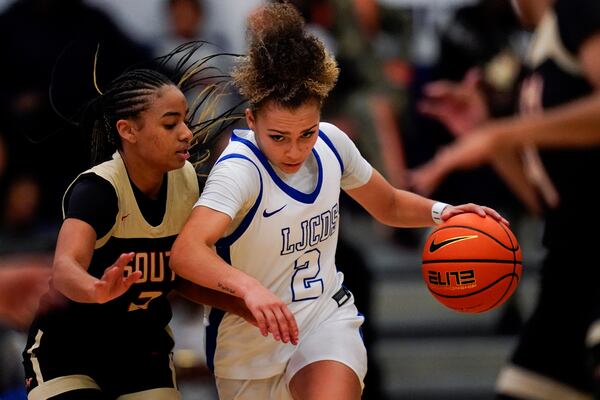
point(306, 284)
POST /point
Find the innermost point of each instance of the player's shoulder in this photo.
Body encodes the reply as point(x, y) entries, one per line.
point(235, 161)
point(239, 143)
point(240, 148)
point(335, 137)
point(330, 129)
point(91, 182)
point(333, 133)
point(112, 170)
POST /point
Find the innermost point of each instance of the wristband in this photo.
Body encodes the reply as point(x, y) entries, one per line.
point(436, 211)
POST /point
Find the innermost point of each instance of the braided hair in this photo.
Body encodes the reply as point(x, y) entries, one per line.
point(284, 63)
point(125, 98)
point(130, 94)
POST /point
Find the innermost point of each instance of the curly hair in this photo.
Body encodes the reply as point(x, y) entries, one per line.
point(284, 63)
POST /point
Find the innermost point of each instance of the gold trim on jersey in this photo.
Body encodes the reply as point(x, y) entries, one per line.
point(35, 364)
point(182, 193)
point(60, 385)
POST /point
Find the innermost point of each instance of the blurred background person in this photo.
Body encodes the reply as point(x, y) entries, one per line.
point(186, 22)
point(475, 76)
point(36, 139)
point(558, 104)
point(479, 63)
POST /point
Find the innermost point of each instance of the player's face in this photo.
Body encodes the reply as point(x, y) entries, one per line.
point(286, 136)
point(162, 135)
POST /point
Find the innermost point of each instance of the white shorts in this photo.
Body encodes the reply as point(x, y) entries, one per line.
point(338, 338)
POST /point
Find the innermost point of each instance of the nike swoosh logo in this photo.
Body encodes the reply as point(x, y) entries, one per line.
point(267, 214)
point(124, 216)
point(436, 246)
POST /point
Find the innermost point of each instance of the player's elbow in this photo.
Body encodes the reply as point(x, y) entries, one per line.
point(177, 257)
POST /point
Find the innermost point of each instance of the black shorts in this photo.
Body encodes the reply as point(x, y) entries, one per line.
point(553, 341)
point(54, 367)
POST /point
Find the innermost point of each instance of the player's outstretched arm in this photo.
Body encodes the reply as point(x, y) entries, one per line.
point(401, 208)
point(214, 298)
point(74, 249)
point(460, 106)
point(572, 125)
point(193, 258)
point(114, 282)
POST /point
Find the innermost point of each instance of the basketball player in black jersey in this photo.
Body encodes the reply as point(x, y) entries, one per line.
point(557, 354)
point(112, 339)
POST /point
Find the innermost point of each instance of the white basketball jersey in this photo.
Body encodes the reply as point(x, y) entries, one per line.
point(287, 241)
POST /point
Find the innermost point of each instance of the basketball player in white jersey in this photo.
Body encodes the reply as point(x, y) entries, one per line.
point(271, 209)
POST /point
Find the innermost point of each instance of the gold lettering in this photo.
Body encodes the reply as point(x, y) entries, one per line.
point(157, 274)
point(141, 264)
point(146, 297)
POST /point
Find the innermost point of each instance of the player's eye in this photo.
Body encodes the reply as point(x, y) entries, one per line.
point(276, 138)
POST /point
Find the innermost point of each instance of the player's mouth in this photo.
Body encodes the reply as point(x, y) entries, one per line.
point(292, 166)
point(184, 153)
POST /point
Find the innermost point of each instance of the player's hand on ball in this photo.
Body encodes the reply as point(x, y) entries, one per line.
point(482, 211)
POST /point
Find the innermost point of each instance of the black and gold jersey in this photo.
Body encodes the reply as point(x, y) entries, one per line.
point(135, 225)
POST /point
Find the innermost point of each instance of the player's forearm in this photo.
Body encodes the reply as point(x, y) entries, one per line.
point(202, 295)
point(576, 124)
point(508, 167)
point(410, 210)
point(198, 263)
point(403, 209)
point(73, 281)
point(391, 206)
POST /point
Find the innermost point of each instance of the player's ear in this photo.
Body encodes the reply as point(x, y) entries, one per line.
point(126, 131)
point(250, 118)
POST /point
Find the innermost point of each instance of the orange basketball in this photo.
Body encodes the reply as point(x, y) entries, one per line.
point(472, 264)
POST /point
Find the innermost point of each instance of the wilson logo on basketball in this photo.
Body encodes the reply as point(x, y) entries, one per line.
point(454, 279)
point(436, 246)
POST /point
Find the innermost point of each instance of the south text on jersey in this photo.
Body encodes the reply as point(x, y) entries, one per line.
point(153, 265)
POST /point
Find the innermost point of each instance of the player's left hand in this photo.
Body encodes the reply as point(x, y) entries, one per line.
point(482, 211)
point(113, 283)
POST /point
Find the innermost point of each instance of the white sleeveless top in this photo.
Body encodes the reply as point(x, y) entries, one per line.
point(287, 240)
